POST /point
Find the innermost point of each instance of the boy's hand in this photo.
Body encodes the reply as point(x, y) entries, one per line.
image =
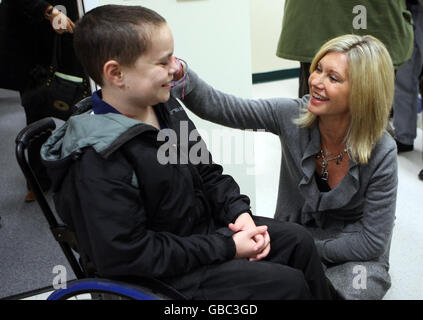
point(262, 240)
point(265, 249)
point(245, 244)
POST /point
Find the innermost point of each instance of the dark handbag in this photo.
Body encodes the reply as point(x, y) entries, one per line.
point(53, 94)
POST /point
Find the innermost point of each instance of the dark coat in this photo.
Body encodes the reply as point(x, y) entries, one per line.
point(307, 25)
point(168, 221)
point(26, 39)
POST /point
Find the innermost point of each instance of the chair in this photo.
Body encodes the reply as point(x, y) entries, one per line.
point(87, 280)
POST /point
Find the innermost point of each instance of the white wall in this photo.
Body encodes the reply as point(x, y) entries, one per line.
point(266, 24)
point(213, 36)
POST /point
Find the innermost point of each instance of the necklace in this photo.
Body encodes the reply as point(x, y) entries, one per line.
point(322, 155)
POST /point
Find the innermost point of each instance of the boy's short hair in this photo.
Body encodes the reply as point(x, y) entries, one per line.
point(113, 32)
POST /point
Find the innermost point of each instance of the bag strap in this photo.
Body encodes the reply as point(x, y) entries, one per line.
point(53, 64)
point(55, 51)
point(56, 56)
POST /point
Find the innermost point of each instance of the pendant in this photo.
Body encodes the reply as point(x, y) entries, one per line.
point(339, 158)
point(325, 175)
point(325, 161)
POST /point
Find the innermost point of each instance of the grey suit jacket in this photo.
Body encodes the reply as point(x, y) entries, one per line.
point(355, 219)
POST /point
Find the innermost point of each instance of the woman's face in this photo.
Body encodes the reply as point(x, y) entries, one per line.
point(330, 86)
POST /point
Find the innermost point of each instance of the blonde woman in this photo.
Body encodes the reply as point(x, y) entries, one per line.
point(339, 167)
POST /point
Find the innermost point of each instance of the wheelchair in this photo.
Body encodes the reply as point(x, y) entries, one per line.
point(88, 285)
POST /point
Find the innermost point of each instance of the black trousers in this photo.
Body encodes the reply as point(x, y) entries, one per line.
point(34, 156)
point(303, 79)
point(291, 271)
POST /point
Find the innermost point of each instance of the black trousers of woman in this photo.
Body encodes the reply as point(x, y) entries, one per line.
point(303, 79)
point(34, 156)
point(291, 271)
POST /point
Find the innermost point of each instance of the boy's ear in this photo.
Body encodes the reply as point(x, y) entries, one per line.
point(113, 74)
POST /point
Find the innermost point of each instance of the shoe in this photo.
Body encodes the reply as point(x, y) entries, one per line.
point(421, 175)
point(30, 197)
point(402, 147)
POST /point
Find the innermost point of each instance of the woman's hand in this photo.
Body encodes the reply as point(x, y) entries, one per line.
point(181, 71)
point(59, 21)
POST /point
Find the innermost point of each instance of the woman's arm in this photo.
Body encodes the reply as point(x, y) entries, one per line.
point(375, 228)
point(228, 110)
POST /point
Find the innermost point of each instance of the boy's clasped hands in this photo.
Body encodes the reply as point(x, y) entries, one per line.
point(251, 241)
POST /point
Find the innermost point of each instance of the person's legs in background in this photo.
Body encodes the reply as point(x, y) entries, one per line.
point(34, 157)
point(407, 89)
point(303, 79)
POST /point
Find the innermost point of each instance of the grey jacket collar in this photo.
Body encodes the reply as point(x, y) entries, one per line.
point(105, 133)
point(317, 202)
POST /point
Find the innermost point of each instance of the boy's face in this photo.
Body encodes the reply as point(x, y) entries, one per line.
point(147, 82)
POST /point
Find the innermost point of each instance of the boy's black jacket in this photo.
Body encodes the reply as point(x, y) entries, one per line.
point(132, 215)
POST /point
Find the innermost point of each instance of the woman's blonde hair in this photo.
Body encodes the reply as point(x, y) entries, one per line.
point(371, 75)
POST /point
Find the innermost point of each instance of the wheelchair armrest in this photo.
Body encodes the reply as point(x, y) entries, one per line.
point(33, 130)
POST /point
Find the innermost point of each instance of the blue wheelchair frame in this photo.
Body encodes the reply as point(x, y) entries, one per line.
point(104, 286)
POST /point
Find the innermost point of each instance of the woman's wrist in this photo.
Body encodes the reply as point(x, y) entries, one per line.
point(48, 12)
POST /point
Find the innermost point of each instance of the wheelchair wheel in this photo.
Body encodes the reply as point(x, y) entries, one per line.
point(99, 289)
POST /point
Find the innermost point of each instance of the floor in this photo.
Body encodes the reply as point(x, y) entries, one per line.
point(407, 243)
point(28, 250)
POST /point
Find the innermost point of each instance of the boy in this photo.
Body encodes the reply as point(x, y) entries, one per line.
point(185, 223)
